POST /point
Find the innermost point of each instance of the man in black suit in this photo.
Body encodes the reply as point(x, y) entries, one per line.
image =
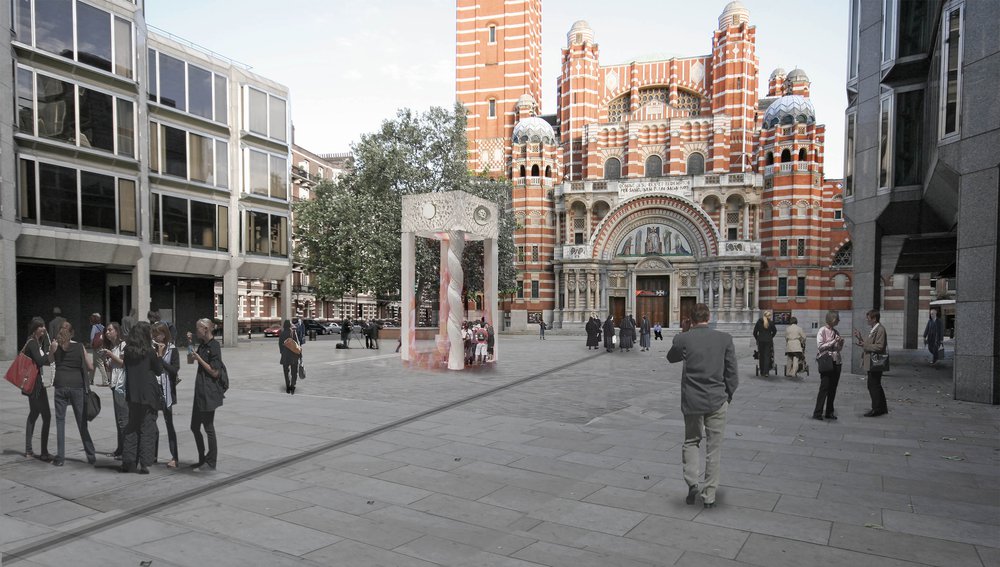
point(708, 381)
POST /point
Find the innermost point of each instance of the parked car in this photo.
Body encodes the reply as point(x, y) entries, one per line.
point(333, 328)
point(314, 325)
point(273, 331)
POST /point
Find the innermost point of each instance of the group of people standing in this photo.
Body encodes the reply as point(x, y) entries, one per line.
point(625, 340)
point(139, 362)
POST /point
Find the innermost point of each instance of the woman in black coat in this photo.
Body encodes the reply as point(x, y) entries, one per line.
point(210, 386)
point(763, 333)
point(609, 333)
point(38, 398)
point(593, 331)
point(143, 366)
point(289, 358)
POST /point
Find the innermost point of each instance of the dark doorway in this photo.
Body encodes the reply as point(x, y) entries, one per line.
point(687, 306)
point(653, 299)
point(617, 305)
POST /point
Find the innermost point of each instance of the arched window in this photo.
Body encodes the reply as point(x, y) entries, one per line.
point(786, 156)
point(493, 33)
point(522, 171)
point(696, 164)
point(769, 158)
point(534, 170)
point(654, 166)
point(548, 171)
point(613, 169)
point(844, 257)
point(803, 155)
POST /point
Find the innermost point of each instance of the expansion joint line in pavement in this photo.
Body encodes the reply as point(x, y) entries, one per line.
point(22, 553)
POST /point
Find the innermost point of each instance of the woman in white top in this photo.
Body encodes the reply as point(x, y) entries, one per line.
point(829, 343)
point(116, 369)
point(168, 381)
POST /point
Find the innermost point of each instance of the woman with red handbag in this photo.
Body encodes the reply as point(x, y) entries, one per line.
point(38, 397)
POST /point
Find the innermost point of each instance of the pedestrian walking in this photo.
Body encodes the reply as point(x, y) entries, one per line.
point(626, 335)
point(143, 366)
point(829, 343)
point(541, 329)
point(608, 329)
point(38, 398)
point(209, 391)
point(593, 328)
point(129, 321)
point(73, 368)
point(709, 379)
point(289, 350)
point(644, 333)
point(763, 332)
point(96, 344)
point(934, 336)
point(874, 343)
point(795, 347)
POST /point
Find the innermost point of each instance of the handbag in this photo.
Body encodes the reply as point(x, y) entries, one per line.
point(825, 364)
point(302, 371)
point(92, 402)
point(22, 373)
point(879, 362)
point(293, 346)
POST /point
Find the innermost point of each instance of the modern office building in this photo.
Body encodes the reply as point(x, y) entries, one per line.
point(923, 172)
point(656, 183)
point(137, 171)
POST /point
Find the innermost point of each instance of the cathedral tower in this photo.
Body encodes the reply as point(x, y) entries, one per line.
point(734, 72)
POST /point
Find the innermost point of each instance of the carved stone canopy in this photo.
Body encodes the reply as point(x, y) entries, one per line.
point(429, 214)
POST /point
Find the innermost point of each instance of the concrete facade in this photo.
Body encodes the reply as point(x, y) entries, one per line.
point(138, 171)
point(923, 130)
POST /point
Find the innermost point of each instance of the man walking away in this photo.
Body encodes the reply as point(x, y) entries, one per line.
point(541, 329)
point(708, 381)
point(934, 336)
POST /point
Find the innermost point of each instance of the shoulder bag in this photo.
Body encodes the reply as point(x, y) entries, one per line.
point(22, 372)
point(91, 401)
point(292, 345)
point(879, 362)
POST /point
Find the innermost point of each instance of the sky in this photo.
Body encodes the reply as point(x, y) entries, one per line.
point(349, 65)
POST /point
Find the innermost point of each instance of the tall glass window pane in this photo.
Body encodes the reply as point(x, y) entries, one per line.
point(202, 160)
point(98, 194)
point(127, 213)
point(56, 109)
point(126, 128)
point(914, 27)
point(223, 231)
point(175, 151)
point(952, 62)
point(279, 236)
point(93, 36)
point(888, 30)
point(57, 196)
point(175, 221)
point(155, 209)
point(27, 208)
point(25, 101)
point(172, 82)
point(202, 225)
point(97, 124)
point(221, 99)
point(849, 150)
point(258, 173)
point(782, 287)
point(154, 147)
point(279, 177)
point(153, 71)
point(200, 92)
point(883, 143)
point(23, 22)
point(257, 233)
point(278, 119)
point(221, 164)
point(124, 58)
point(853, 33)
point(54, 27)
point(257, 111)
point(908, 138)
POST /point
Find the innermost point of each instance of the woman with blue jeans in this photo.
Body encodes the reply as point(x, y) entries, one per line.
point(72, 374)
point(113, 336)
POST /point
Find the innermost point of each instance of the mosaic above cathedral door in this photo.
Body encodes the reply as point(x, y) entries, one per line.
point(654, 239)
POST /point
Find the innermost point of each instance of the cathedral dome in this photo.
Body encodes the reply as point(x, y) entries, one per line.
point(797, 75)
point(534, 130)
point(790, 109)
point(734, 14)
point(581, 32)
point(779, 72)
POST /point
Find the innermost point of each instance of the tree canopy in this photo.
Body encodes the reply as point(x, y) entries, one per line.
point(348, 234)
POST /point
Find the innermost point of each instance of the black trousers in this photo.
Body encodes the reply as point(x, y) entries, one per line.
point(38, 405)
point(876, 392)
point(141, 435)
point(828, 382)
point(168, 419)
point(291, 374)
point(205, 419)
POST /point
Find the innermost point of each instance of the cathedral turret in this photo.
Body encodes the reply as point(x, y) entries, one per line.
point(797, 83)
point(734, 82)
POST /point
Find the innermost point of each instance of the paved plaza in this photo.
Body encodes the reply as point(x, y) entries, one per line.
point(558, 456)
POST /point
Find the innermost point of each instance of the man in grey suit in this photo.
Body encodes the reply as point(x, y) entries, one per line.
point(708, 381)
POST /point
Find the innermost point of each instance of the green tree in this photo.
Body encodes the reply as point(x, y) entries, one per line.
point(349, 233)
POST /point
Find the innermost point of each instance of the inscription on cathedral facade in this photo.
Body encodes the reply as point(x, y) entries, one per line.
point(680, 186)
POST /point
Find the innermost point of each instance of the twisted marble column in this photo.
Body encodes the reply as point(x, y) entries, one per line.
point(456, 279)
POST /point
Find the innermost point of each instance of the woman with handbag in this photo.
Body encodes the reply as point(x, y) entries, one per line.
point(38, 397)
point(763, 332)
point(114, 353)
point(143, 366)
point(289, 349)
point(71, 380)
point(873, 358)
point(209, 391)
point(829, 343)
point(168, 384)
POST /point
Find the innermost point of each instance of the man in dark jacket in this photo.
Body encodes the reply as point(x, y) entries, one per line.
point(708, 381)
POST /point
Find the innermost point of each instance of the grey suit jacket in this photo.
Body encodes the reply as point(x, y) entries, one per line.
point(710, 375)
point(872, 342)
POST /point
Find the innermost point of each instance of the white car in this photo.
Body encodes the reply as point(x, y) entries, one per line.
point(332, 329)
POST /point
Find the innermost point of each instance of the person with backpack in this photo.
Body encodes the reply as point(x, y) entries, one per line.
point(210, 385)
point(482, 337)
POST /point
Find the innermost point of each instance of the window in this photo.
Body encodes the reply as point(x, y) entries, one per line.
point(187, 155)
point(200, 91)
point(613, 169)
point(493, 108)
point(654, 166)
point(266, 114)
point(908, 135)
point(257, 241)
point(849, 154)
point(696, 164)
point(783, 247)
point(732, 233)
point(885, 141)
point(800, 248)
point(800, 286)
point(520, 253)
point(171, 82)
point(57, 192)
point(888, 30)
point(838, 214)
point(786, 155)
point(844, 257)
point(769, 158)
point(268, 175)
point(174, 151)
point(279, 236)
point(175, 220)
point(578, 238)
point(493, 34)
point(98, 192)
point(125, 120)
point(951, 71)
point(803, 155)
point(534, 289)
point(534, 253)
point(187, 87)
point(782, 287)
point(96, 120)
point(520, 289)
point(854, 33)
point(534, 170)
point(914, 34)
point(56, 109)
point(95, 31)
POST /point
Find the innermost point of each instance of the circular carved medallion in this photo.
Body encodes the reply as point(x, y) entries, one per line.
point(428, 211)
point(481, 214)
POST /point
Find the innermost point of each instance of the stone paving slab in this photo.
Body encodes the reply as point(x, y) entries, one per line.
point(577, 467)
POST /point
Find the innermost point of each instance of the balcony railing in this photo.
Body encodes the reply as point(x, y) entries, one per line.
point(739, 248)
